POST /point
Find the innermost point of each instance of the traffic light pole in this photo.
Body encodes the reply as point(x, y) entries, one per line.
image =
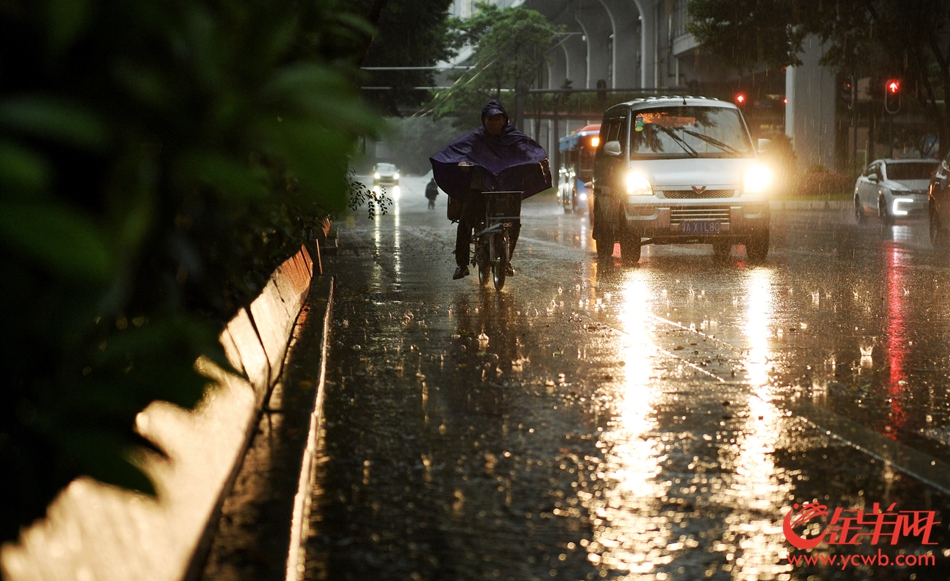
point(890, 137)
point(854, 144)
point(852, 94)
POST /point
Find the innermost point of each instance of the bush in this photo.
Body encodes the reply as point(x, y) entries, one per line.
point(818, 182)
point(157, 160)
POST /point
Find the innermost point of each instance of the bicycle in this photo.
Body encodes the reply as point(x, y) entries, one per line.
point(492, 238)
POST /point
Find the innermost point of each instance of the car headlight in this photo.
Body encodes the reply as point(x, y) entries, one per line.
point(396, 176)
point(376, 175)
point(757, 179)
point(638, 184)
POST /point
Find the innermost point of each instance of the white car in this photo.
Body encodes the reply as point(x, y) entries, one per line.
point(385, 174)
point(893, 189)
point(679, 170)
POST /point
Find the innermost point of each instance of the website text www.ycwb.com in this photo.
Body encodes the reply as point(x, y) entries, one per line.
point(880, 559)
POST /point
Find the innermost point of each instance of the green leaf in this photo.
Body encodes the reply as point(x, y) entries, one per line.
point(150, 86)
point(322, 94)
point(136, 221)
point(305, 76)
point(106, 457)
point(318, 157)
point(54, 119)
point(357, 23)
point(204, 40)
point(21, 170)
point(66, 20)
point(223, 172)
point(59, 238)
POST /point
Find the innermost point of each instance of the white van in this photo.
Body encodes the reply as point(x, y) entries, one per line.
point(679, 170)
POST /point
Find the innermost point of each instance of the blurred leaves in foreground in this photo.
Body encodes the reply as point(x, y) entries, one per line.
point(157, 161)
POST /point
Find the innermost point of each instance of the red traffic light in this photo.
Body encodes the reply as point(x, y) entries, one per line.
point(892, 96)
point(740, 98)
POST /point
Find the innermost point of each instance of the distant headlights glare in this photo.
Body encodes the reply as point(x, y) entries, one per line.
point(758, 179)
point(638, 184)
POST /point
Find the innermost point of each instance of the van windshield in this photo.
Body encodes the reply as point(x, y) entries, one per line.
point(688, 131)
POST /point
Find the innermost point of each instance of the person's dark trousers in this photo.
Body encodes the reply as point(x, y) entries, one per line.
point(473, 210)
point(514, 232)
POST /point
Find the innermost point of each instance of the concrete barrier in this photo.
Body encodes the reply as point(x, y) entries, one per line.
point(96, 532)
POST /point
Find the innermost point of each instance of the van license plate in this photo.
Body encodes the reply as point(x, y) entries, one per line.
point(699, 227)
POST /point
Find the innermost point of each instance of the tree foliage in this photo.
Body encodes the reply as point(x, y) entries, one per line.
point(409, 33)
point(872, 39)
point(510, 47)
point(747, 33)
point(157, 160)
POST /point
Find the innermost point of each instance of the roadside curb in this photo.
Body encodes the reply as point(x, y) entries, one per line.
point(96, 531)
point(264, 516)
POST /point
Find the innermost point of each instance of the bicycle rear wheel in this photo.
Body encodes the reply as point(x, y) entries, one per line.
point(482, 261)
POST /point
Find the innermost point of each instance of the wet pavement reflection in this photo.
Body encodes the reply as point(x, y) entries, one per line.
point(593, 421)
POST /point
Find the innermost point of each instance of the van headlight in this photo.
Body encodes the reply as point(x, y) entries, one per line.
point(638, 184)
point(376, 175)
point(757, 179)
point(396, 176)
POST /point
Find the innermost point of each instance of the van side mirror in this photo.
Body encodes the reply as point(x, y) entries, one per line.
point(763, 144)
point(612, 148)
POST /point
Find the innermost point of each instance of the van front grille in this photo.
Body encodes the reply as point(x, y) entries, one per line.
point(694, 195)
point(692, 213)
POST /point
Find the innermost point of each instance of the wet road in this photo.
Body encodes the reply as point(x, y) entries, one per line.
point(593, 421)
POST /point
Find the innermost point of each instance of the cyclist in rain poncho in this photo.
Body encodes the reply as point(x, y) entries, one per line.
point(494, 157)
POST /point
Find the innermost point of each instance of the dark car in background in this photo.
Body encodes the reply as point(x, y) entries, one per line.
point(893, 189)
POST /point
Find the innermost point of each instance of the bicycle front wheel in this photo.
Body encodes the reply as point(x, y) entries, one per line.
point(499, 265)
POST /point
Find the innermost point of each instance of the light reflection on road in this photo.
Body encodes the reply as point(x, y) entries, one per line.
point(757, 328)
point(896, 335)
point(757, 483)
point(628, 535)
point(397, 236)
